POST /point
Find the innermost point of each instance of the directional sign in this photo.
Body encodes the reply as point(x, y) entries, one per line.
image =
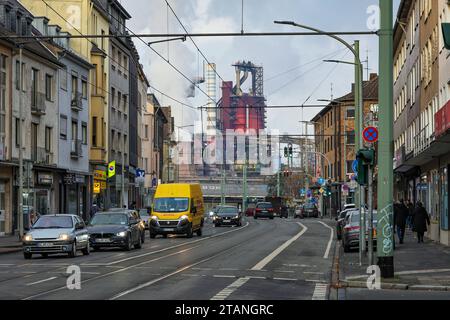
point(370, 134)
point(321, 181)
point(322, 190)
point(355, 166)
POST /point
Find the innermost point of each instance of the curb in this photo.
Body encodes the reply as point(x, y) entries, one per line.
point(394, 286)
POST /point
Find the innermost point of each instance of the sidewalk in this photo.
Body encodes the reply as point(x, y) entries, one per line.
point(417, 266)
point(10, 244)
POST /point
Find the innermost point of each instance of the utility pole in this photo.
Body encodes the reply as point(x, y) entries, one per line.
point(385, 247)
point(20, 196)
point(222, 186)
point(122, 196)
point(244, 172)
point(370, 206)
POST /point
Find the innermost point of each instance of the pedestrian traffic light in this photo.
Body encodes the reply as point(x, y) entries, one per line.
point(364, 158)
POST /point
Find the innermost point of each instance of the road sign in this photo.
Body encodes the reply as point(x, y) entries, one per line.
point(370, 134)
point(355, 166)
point(322, 190)
point(321, 181)
point(111, 169)
point(97, 187)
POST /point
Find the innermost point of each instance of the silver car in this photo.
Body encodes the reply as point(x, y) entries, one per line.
point(59, 233)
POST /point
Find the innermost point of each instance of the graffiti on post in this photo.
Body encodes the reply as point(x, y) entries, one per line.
point(386, 228)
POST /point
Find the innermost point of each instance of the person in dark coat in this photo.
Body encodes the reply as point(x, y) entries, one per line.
point(409, 221)
point(420, 222)
point(400, 215)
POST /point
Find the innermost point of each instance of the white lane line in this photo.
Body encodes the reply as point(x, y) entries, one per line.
point(280, 249)
point(178, 245)
point(327, 252)
point(225, 293)
point(320, 292)
point(283, 271)
point(285, 279)
point(41, 281)
point(223, 276)
point(312, 280)
point(312, 272)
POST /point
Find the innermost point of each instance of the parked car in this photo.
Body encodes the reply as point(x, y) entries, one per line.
point(115, 228)
point(227, 216)
point(284, 212)
point(310, 210)
point(350, 231)
point(250, 211)
point(298, 212)
point(264, 210)
point(340, 220)
point(59, 233)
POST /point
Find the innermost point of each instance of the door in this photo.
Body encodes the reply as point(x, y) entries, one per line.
point(444, 202)
point(80, 235)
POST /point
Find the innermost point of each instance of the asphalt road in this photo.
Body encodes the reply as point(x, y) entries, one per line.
point(277, 259)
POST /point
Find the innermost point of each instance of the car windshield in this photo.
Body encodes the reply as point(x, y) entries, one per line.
point(171, 204)
point(225, 211)
point(53, 222)
point(109, 219)
point(309, 206)
point(264, 205)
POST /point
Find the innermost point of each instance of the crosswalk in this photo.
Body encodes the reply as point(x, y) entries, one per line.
point(320, 292)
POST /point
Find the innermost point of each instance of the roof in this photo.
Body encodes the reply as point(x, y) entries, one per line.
point(370, 92)
point(402, 14)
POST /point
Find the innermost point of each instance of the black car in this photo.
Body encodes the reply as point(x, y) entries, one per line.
point(310, 210)
point(227, 216)
point(118, 228)
point(264, 210)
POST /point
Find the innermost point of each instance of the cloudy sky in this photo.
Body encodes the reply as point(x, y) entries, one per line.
point(293, 71)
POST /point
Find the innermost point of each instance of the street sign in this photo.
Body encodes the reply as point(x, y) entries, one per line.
point(370, 134)
point(355, 166)
point(322, 190)
point(111, 169)
point(97, 187)
point(321, 181)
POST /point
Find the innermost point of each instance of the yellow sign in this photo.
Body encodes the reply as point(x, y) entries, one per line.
point(96, 187)
point(111, 169)
point(100, 175)
point(103, 185)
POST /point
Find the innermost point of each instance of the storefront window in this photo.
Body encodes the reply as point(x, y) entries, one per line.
point(72, 201)
point(42, 201)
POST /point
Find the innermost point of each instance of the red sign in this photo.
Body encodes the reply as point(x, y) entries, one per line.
point(370, 134)
point(442, 120)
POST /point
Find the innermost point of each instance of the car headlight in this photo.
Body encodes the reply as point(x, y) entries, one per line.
point(63, 237)
point(28, 237)
point(184, 217)
point(154, 218)
point(121, 234)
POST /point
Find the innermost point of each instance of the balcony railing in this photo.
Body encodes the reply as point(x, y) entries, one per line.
point(38, 104)
point(41, 156)
point(77, 102)
point(76, 149)
point(423, 140)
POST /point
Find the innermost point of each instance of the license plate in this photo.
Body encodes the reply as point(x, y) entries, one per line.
point(169, 229)
point(45, 244)
point(102, 240)
point(265, 211)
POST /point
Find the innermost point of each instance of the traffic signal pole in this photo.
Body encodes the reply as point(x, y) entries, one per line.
point(385, 247)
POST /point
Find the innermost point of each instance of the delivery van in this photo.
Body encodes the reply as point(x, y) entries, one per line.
point(177, 209)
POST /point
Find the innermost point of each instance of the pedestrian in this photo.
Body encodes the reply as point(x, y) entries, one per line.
point(409, 221)
point(400, 215)
point(420, 221)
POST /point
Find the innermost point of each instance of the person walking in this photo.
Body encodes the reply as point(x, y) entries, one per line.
point(420, 222)
point(409, 221)
point(401, 214)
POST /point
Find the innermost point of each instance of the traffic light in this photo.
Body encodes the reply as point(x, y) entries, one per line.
point(285, 152)
point(290, 151)
point(365, 158)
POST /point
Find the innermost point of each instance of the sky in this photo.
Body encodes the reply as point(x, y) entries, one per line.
point(293, 70)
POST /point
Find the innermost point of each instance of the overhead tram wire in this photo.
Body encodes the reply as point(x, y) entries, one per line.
point(187, 34)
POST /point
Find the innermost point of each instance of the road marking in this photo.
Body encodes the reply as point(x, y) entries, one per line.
point(313, 280)
point(280, 249)
point(178, 245)
point(6, 264)
point(327, 252)
point(41, 281)
point(312, 272)
point(285, 279)
point(299, 266)
point(225, 293)
point(320, 292)
point(223, 276)
point(403, 273)
point(283, 271)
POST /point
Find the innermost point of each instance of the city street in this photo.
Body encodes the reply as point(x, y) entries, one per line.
point(277, 259)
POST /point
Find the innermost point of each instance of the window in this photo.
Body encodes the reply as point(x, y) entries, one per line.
point(113, 97)
point(103, 40)
point(94, 80)
point(63, 76)
point(2, 95)
point(351, 137)
point(350, 114)
point(94, 131)
point(74, 86)
point(74, 130)
point(84, 89)
point(48, 87)
point(48, 139)
point(119, 99)
point(34, 86)
point(349, 166)
point(125, 103)
point(18, 75)
point(84, 133)
point(146, 131)
point(17, 132)
point(63, 127)
point(113, 136)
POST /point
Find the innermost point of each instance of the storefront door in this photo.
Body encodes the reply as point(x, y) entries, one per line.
point(444, 202)
point(43, 201)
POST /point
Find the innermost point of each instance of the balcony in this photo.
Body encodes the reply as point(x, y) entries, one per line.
point(41, 156)
point(422, 141)
point(76, 149)
point(77, 102)
point(38, 104)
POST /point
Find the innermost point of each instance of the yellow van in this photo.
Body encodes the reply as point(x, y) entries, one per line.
point(177, 209)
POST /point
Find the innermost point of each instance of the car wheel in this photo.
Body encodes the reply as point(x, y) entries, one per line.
point(86, 251)
point(190, 232)
point(129, 244)
point(139, 244)
point(271, 218)
point(143, 237)
point(73, 252)
point(216, 225)
point(44, 255)
point(152, 235)
point(199, 232)
point(27, 255)
point(165, 236)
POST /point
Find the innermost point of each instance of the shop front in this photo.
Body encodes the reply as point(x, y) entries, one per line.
point(74, 194)
point(99, 188)
point(6, 203)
